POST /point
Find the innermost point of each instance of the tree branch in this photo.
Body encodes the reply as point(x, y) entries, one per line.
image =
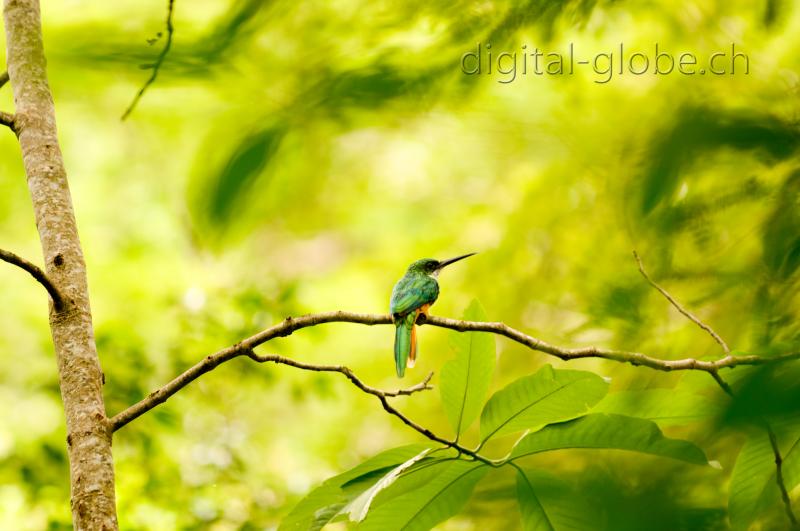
point(91, 463)
point(773, 440)
point(36, 273)
point(689, 315)
point(291, 324)
point(157, 64)
point(634, 358)
point(9, 120)
point(382, 396)
point(210, 362)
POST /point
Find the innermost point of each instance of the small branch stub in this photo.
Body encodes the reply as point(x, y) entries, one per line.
point(8, 120)
point(36, 273)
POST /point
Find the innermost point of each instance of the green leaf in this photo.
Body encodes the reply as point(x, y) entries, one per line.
point(358, 508)
point(533, 401)
point(244, 166)
point(618, 432)
point(549, 504)
point(754, 488)
point(750, 478)
point(465, 379)
point(430, 503)
point(325, 502)
point(665, 406)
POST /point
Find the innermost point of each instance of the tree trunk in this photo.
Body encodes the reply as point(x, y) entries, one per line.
point(81, 380)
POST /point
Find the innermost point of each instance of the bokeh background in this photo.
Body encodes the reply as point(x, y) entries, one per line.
point(295, 157)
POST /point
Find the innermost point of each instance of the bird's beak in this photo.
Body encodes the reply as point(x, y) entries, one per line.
point(444, 263)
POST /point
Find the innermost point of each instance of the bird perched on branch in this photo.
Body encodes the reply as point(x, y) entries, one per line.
point(412, 295)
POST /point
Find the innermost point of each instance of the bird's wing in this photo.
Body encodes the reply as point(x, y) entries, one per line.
point(412, 292)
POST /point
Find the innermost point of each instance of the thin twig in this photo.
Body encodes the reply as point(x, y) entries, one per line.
point(382, 396)
point(160, 396)
point(722, 383)
point(157, 64)
point(36, 273)
point(689, 315)
point(9, 120)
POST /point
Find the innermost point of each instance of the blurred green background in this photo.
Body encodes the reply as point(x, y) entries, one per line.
point(295, 157)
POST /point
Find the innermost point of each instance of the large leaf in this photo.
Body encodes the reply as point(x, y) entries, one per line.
point(358, 508)
point(549, 504)
point(619, 432)
point(430, 503)
point(750, 478)
point(533, 401)
point(754, 487)
point(325, 502)
point(465, 379)
point(665, 406)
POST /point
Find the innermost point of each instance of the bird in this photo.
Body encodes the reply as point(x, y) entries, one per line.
point(412, 295)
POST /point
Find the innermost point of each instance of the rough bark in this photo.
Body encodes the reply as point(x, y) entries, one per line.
point(88, 433)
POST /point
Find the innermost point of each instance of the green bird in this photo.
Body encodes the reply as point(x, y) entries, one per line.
point(412, 295)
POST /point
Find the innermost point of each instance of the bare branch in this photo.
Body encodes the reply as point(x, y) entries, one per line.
point(291, 324)
point(3, 79)
point(36, 273)
point(8, 119)
point(689, 315)
point(157, 64)
point(161, 395)
point(634, 358)
point(382, 396)
point(722, 383)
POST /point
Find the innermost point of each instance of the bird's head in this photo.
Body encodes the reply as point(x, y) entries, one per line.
point(431, 267)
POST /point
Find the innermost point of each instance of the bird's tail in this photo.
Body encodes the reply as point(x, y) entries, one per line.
point(405, 343)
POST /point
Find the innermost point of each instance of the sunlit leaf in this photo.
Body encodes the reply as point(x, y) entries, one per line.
point(358, 508)
point(548, 396)
point(465, 379)
point(750, 478)
point(754, 488)
point(325, 501)
point(618, 432)
point(435, 501)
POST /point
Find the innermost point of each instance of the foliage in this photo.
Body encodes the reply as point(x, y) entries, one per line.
point(537, 404)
